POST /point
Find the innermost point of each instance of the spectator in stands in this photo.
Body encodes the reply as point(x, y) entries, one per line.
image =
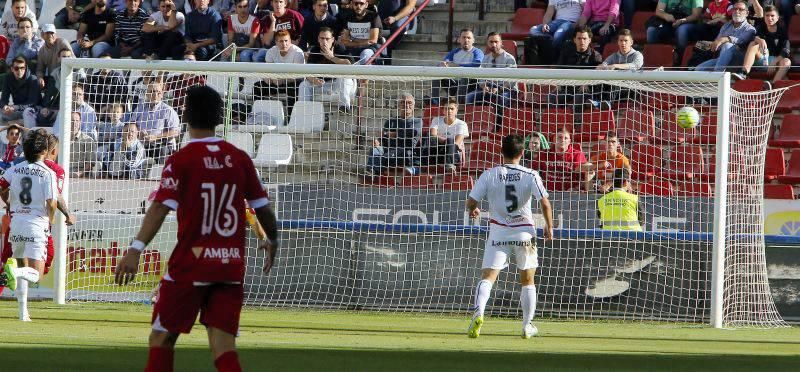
point(770, 50)
point(128, 30)
point(283, 52)
point(327, 51)
point(397, 146)
point(629, 8)
point(178, 84)
point(96, 32)
point(602, 17)
point(280, 18)
point(466, 55)
point(88, 114)
point(626, 58)
point(500, 92)
point(716, 14)
point(129, 155)
point(158, 123)
point(106, 86)
point(314, 22)
point(109, 131)
point(394, 14)
point(83, 149)
point(226, 9)
point(243, 31)
point(26, 45)
point(203, 33)
point(47, 60)
point(70, 15)
point(733, 39)
point(446, 139)
point(10, 20)
point(12, 150)
point(535, 145)
point(606, 163)
point(559, 21)
point(22, 87)
point(361, 29)
point(564, 166)
point(788, 9)
point(678, 18)
point(580, 55)
point(162, 33)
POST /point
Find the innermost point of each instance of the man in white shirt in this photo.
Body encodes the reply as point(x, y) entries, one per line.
point(283, 52)
point(559, 21)
point(446, 138)
point(162, 33)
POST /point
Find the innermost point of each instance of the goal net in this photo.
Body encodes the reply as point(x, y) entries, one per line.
point(369, 169)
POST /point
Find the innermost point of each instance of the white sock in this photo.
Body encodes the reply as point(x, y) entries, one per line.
point(528, 302)
point(28, 273)
point(22, 298)
point(482, 292)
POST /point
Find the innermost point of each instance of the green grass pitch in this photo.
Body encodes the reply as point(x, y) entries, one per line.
point(112, 337)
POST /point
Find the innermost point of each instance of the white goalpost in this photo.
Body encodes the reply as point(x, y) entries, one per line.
point(372, 211)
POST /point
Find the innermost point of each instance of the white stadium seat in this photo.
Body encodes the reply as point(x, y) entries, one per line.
point(307, 117)
point(274, 150)
point(48, 12)
point(67, 34)
point(265, 117)
point(242, 141)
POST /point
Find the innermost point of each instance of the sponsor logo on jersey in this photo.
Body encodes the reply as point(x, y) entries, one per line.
point(515, 220)
point(169, 183)
point(283, 26)
point(512, 243)
point(22, 239)
point(222, 254)
point(511, 177)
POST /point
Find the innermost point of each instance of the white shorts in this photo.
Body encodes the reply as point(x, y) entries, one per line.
point(28, 241)
point(36, 250)
point(500, 244)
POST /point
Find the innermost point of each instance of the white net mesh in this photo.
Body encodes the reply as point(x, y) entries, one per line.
point(371, 198)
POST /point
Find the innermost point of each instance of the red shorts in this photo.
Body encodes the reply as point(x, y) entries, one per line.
point(178, 303)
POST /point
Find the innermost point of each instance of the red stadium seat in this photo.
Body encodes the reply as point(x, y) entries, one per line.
point(695, 189)
point(636, 126)
point(656, 188)
point(687, 55)
point(555, 119)
point(789, 135)
point(521, 23)
point(456, 182)
point(519, 121)
point(480, 119)
point(791, 98)
point(484, 155)
point(637, 28)
point(657, 55)
point(645, 160)
point(748, 85)
point(684, 162)
point(794, 31)
point(420, 181)
point(779, 192)
point(670, 132)
point(774, 164)
point(381, 181)
point(595, 125)
point(706, 131)
point(430, 112)
point(510, 46)
point(663, 101)
point(792, 175)
point(609, 49)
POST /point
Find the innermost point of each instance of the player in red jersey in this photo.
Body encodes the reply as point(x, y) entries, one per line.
point(206, 183)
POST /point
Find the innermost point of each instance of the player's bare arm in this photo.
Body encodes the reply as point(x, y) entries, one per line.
point(62, 206)
point(472, 208)
point(129, 264)
point(267, 219)
point(547, 211)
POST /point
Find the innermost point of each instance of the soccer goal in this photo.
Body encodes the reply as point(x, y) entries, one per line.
point(371, 205)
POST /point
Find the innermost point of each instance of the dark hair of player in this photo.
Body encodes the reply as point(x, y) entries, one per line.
point(35, 145)
point(203, 108)
point(620, 177)
point(512, 146)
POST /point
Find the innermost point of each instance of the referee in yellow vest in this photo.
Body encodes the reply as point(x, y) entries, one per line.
point(618, 209)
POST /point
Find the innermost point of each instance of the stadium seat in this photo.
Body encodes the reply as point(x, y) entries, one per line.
point(656, 188)
point(685, 162)
point(380, 181)
point(420, 181)
point(695, 189)
point(518, 120)
point(645, 160)
point(636, 126)
point(662, 101)
point(268, 115)
point(48, 11)
point(479, 119)
point(779, 192)
point(510, 46)
point(307, 117)
point(554, 119)
point(794, 31)
point(242, 141)
point(774, 164)
point(521, 23)
point(638, 30)
point(658, 55)
point(247, 89)
point(220, 83)
point(748, 85)
point(595, 125)
point(274, 150)
point(789, 135)
point(67, 34)
point(484, 155)
point(155, 172)
point(458, 182)
point(792, 175)
point(609, 49)
point(706, 131)
point(670, 132)
point(791, 98)
point(539, 94)
point(430, 112)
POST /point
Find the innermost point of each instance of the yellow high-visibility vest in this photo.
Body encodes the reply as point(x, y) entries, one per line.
point(619, 210)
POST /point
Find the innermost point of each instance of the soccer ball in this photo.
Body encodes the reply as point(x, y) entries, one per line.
point(688, 117)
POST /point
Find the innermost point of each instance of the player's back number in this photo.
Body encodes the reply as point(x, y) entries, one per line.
point(25, 196)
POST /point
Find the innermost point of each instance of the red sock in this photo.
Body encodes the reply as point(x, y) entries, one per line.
point(228, 362)
point(160, 359)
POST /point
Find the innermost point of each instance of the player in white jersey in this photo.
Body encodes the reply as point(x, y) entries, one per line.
point(29, 189)
point(510, 189)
